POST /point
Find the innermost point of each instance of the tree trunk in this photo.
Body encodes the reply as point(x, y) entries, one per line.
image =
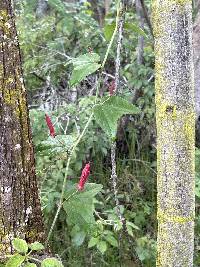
point(175, 118)
point(196, 41)
point(140, 46)
point(20, 211)
point(107, 4)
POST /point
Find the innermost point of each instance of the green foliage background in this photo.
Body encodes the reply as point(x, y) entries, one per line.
point(48, 45)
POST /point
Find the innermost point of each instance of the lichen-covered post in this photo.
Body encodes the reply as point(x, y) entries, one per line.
point(175, 118)
point(20, 211)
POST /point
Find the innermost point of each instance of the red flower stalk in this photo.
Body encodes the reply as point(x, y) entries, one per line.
point(111, 87)
point(50, 125)
point(84, 176)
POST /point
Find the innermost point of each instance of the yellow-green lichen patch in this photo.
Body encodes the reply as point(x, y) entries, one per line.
point(181, 2)
point(159, 12)
point(5, 247)
point(164, 217)
point(160, 79)
point(5, 22)
point(189, 128)
point(11, 99)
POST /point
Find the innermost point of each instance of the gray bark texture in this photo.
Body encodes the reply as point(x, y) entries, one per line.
point(175, 119)
point(20, 210)
point(196, 42)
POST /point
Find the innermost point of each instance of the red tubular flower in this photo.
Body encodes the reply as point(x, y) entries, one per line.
point(111, 87)
point(84, 176)
point(50, 125)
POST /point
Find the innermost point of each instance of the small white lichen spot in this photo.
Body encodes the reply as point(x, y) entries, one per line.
point(10, 236)
point(17, 146)
point(29, 210)
point(7, 119)
point(2, 189)
point(21, 80)
point(7, 24)
point(7, 189)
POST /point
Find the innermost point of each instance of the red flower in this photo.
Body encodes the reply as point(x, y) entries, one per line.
point(50, 125)
point(84, 176)
point(111, 87)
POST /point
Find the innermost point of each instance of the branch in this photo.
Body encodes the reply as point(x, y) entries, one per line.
point(146, 16)
point(120, 27)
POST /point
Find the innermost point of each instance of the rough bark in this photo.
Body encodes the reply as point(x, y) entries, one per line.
point(196, 42)
point(20, 211)
point(175, 118)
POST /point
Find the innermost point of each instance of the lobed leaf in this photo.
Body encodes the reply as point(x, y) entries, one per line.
point(80, 206)
point(84, 65)
point(110, 111)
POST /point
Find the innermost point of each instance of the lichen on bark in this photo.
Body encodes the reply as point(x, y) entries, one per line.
point(20, 210)
point(175, 119)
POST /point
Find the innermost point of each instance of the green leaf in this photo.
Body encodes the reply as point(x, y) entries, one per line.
point(79, 238)
point(59, 144)
point(111, 240)
point(129, 230)
point(85, 59)
point(197, 190)
point(81, 72)
point(51, 262)
point(30, 265)
point(36, 246)
point(132, 225)
point(83, 66)
point(110, 111)
point(57, 5)
point(108, 31)
point(102, 246)
point(80, 206)
point(15, 261)
point(135, 28)
point(20, 245)
point(93, 241)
